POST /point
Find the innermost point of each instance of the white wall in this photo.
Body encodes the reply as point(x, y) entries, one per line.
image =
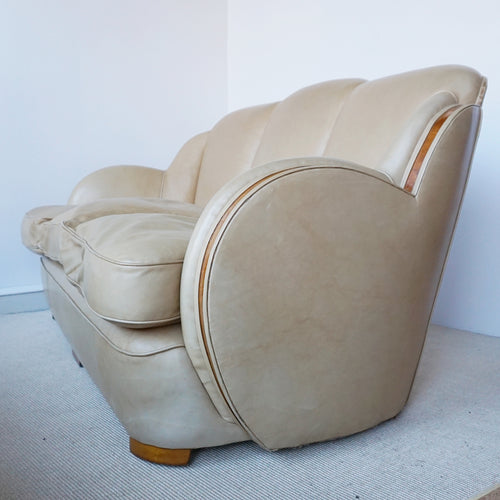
point(84, 84)
point(278, 46)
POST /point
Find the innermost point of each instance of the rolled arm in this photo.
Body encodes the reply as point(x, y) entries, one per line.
point(289, 262)
point(118, 181)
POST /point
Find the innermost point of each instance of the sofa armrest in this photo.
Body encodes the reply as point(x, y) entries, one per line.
point(283, 257)
point(118, 181)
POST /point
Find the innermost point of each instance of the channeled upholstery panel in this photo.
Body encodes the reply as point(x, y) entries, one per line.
point(301, 124)
point(378, 111)
point(231, 148)
point(276, 282)
point(180, 180)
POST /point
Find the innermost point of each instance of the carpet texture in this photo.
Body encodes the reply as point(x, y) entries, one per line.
point(59, 439)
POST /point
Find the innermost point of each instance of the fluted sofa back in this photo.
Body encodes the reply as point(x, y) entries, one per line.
point(380, 124)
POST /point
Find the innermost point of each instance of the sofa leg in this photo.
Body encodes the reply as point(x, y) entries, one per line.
point(76, 359)
point(157, 455)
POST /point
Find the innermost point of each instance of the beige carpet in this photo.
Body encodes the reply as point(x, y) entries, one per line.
point(60, 440)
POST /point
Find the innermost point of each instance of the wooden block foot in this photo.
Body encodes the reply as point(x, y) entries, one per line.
point(76, 359)
point(157, 455)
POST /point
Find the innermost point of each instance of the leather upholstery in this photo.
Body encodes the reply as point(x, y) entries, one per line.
point(181, 178)
point(145, 375)
point(307, 116)
point(357, 273)
point(134, 245)
point(231, 147)
point(301, 262)
point(118, 182)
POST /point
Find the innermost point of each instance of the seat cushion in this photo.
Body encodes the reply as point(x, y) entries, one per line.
point(125, 255)
point(41, 227)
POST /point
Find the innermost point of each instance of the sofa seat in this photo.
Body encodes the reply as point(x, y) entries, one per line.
point(125, 254)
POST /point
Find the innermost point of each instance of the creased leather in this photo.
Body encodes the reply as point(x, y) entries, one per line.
point(125, 254)
point(40, 230)
point(132, 246)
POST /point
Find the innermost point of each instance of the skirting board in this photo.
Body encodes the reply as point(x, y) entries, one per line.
point(23, 302)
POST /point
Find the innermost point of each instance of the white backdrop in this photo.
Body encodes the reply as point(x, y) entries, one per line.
point(278, 46)
point(85, 84)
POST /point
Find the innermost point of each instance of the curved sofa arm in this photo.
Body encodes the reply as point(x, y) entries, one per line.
point(280, 259)
point(118, 181)
point(308, 287)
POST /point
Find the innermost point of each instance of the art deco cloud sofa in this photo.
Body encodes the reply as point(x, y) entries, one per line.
point(275, 283)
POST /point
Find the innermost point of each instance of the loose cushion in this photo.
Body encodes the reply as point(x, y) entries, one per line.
point(125, 254)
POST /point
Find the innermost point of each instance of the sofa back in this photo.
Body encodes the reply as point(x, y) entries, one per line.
point(379, 124)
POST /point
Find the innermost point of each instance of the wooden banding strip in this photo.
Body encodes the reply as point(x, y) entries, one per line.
point(422, 153)
point(205, 268)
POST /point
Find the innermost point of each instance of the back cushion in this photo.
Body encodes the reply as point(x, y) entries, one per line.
point(377, 124)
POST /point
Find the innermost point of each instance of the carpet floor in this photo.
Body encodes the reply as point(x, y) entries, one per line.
point(60, 440)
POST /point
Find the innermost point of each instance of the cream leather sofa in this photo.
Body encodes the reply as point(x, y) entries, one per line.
point(275, 283)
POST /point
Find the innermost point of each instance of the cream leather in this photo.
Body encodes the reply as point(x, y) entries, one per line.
point(300, 244)
point(181, 178)
point(145, 375)
point(118, 182)
point(221, 209)
point(404, 149)
point(132, 245)
point(359, 305)
point(398, 98)
point(231, 147)
point(308, 117)
point(140, 255)
point(41, 228)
